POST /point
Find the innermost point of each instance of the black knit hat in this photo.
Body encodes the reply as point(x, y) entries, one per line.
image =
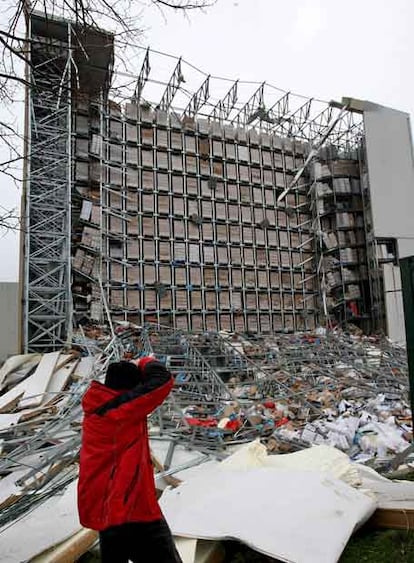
point(122, 375)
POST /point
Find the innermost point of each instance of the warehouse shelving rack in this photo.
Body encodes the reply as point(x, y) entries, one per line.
point(189, 215)
point(176, 216)
point(340, 219)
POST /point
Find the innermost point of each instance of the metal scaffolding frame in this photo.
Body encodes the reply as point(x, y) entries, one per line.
point(224, 107)
point(252, 110)
point(47, 305)
point(68, 66)
point(142, 77)
point(172, 88)
point(199, 99)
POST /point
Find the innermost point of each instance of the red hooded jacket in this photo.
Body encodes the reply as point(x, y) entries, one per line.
point(116, 476)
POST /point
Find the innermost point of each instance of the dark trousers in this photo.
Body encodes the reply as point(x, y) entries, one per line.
point(139, 542)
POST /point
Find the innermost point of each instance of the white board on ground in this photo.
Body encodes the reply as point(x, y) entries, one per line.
point(20, 373)
point(317, 458)
point(13, 363)
point(291, 515)
point(37, 384)
point(50, 523)
point(8, 485)
point(391, 494)
point(8, 420)
point(85, 367)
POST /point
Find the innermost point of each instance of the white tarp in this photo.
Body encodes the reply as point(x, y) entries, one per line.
point(295, 515)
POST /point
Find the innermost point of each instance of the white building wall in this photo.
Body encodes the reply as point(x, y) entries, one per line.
point(391, 174)
point(391, 182)
point(394, 303)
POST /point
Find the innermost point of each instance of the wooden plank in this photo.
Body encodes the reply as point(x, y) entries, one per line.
point(43, 477)
point(169, 479)
point(25, 416)
point(37, 384)
point(65, 359)
point(396, 518)
point(9, 501)
point(9, 400)
point(69, 550)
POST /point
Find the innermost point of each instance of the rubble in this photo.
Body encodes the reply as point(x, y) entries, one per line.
point(348, 391)
point(290, 391)
point(40, 429)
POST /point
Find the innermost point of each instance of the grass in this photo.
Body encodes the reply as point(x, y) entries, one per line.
point(367, 546)
point(380, 546)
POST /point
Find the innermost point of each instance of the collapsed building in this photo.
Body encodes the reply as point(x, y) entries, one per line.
point(220, 236)
point(230, 216)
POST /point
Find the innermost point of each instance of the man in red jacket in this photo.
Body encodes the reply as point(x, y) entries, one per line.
point(116, 489)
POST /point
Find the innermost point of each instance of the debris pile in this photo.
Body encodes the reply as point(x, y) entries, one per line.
point(336, 389)
point(290, 391)
point(40, 417)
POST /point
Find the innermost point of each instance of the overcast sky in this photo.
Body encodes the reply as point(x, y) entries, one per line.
point(319, 48)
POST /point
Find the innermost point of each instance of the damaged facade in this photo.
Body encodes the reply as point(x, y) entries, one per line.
point(237, 219)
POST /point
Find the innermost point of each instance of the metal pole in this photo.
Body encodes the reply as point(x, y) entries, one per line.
point(68, 281)
point(25, 200)
point(407, 280)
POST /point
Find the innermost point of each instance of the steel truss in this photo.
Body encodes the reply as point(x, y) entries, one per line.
point(47, 309)
point(142, 77)
point(172, 88)
point(224, 107)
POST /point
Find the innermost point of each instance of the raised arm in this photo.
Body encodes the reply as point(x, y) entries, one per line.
point(147, 395)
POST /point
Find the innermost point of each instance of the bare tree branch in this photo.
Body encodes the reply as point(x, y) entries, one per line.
point(184, 4)
point(9, 220)
point(118, 16)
